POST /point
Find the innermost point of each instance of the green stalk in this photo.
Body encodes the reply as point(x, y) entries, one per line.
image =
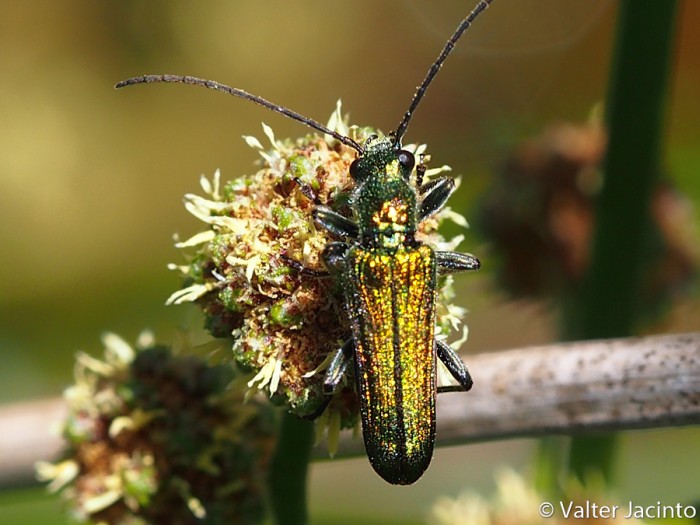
point(287, 482)
point(550, 456)
point(607, 305)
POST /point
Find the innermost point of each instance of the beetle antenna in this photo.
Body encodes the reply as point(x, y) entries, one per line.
point(449, 45)
point(185, 79)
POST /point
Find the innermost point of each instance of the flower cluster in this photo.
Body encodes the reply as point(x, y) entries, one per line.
point(284, 324)
point(539, 215)
point(516, 502)
point(157, 438)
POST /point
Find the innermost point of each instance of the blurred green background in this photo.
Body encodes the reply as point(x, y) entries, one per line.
point(91, 179)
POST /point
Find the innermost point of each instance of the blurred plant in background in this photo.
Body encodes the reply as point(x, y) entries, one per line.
point(539, 216)
point(517, 502)
point(611, 259)
point(159, 438)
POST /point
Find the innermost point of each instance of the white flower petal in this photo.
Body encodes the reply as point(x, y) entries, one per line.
point(270, 159)
point(116, 349)
point(201, 207)
point(276, 374)
point(322, 366)
point(336, 121)
point(451, 245)
point(235, 225)
point(262, 378)
point(94, 365)
point(459, 342)
point(455, 217)
point(217, 185)
point(59, 474)
point(189, 294)
point(102, 501)
point(119, 424)
point(252, 142)
point(183, 269)
point(270, 135)
point(437, 171)
point(146, 339)
point(205, 184)
point(196, 508)
point(195, 240)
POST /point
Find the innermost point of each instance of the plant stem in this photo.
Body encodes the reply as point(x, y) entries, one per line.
point(608, 304)
point(617, 384)
point(287, 482)
point(551, 454)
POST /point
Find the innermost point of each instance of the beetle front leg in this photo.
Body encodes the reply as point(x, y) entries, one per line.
point(435, 194)
point(336, 224)
point(338, 367)
point(451, 262)
point(455, 366)
point(334, 255)
point(307, 191)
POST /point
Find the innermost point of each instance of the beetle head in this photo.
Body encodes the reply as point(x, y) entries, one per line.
point(382, 154)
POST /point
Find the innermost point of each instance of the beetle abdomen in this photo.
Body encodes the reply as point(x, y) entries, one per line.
point(391, 304)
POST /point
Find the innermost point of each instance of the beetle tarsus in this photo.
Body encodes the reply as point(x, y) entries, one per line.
point(304, 270)
point(455, 366)
point(307, 191)
point(338, 367)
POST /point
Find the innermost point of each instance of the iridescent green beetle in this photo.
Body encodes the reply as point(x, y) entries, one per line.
point(389, 281)
point(389, 284)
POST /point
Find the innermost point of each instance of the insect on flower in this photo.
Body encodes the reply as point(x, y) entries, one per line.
point(388, 280)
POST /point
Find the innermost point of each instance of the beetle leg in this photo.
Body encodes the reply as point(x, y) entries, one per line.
point(335, 372)
point(429, 186)
point(450, 262)
point(299, 267)
point(322, 407)
point(435, 194)
point(334, 255)
point(307, 190)
point(338, 366)
point(420, 171)
point(456, 367)
point(337, 225)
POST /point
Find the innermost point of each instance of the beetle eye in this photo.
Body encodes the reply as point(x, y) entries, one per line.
point(355, 169)
point(407, 161)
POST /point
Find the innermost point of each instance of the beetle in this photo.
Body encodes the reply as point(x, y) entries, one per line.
point(388, 280)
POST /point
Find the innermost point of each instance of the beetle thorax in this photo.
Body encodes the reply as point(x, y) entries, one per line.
point(386, 207)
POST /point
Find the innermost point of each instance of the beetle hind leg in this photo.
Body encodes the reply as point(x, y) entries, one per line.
point(455, 366)
point(338, 367)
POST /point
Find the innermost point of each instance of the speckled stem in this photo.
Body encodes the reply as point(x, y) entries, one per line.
point(617, 384)
point(608, 385)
